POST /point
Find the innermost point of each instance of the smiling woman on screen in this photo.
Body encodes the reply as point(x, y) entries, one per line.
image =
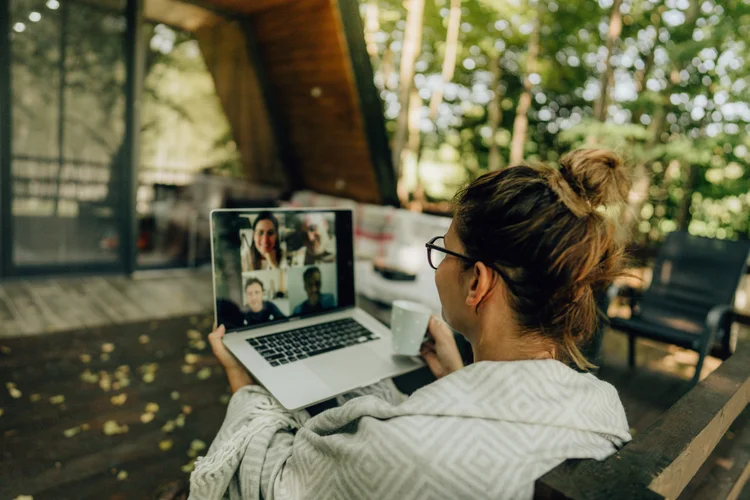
point(528, 249)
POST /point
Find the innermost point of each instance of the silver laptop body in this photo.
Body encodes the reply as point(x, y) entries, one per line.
point(296, 383)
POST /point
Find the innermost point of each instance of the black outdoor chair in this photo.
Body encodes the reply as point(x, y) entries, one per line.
point(689, 302)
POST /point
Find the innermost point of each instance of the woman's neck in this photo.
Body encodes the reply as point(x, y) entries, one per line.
point(500, 339)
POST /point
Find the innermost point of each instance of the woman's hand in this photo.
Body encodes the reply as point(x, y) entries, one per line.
point(236, 373)
point(440, 351)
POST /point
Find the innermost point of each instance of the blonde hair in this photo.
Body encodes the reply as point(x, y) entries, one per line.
point(543, 229)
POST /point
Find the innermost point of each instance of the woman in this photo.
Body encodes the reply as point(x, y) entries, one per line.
point(517, 272)
point(265, 250)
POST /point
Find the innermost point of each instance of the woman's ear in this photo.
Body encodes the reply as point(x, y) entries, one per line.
point(480, 284)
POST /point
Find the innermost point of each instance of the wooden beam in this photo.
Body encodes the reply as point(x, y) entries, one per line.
point(186, 16)
point(370, 104)
point(245, 7)
point(660, 462)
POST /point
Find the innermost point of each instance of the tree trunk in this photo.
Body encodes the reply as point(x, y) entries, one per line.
point(409, 53)
point(449, 58)
point(521, 122)
point(615, 28)
point(495, 113)
point(684, 216)
point(372, 26)
point(413, 146)
point(384, 72)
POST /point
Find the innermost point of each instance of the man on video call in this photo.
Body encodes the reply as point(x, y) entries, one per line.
point(316, 301)
point(319, 247)
point(260, 310)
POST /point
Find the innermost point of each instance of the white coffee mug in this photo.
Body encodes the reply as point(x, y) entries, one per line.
point(409, 322)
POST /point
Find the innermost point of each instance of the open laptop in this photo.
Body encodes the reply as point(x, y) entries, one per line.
point(284, 289)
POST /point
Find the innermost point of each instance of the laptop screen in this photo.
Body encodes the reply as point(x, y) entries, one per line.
point(272, 265)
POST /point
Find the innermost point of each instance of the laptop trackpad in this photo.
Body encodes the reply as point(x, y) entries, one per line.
point(362, 366)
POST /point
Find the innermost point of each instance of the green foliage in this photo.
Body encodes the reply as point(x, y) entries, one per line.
point(687, 125)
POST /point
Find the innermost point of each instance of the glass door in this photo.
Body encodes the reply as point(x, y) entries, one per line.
point(67, 78)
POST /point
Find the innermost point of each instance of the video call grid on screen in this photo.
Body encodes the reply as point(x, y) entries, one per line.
point(271, 265)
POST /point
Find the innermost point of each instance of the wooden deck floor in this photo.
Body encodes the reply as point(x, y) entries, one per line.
point(31, 307)
point(110, 390)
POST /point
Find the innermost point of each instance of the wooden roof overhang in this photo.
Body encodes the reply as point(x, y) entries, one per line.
point(296, 83)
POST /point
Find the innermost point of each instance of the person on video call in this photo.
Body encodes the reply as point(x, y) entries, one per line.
point(265, 250)
point(319, 246)
point(260, 310)
point(316, 301)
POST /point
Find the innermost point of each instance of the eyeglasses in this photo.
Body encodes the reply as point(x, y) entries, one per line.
point(436, 258)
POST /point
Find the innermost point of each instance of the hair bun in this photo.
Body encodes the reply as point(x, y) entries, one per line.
point(596, 175)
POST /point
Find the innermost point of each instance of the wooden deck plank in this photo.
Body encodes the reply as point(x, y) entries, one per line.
point(28, 309)
point(117, 305)
point(10, 319)
point(90, 312)
point(139, 292)
point(55, 304)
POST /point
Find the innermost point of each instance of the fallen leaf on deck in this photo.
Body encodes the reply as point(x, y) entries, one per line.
point(148, 368)
point(152, 407)
point(188, 369)
point(147, 417)
point(104, 356)
point(85, 427)
point(148, 377)
point(87, 376)
point(119, 400)
point(108, 347)
point(35, 397)
point(165, 445)
point(86, 358)
point(4, 349)
point(105, 382)
point(1, 412)
point(111, 428)
point(144, 339)
point(193, 320)
point(224, 399)
point(169, 426)
point(69, 433)
point(188, 467)
point(14, 393)
point(197, 444)
point(180, 420)
point(121, 374)
point(56, 400)
point(198, 345)
point(122, 475)
point(204, 373)
point(24, 497)
point(187, 410)
point(194, 335)
point(10, 433)
point(191, 358)
point(175, 395)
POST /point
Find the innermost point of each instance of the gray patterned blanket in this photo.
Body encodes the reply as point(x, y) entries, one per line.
point(487, 431)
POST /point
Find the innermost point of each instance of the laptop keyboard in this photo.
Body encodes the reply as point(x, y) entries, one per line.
point(286, 347)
